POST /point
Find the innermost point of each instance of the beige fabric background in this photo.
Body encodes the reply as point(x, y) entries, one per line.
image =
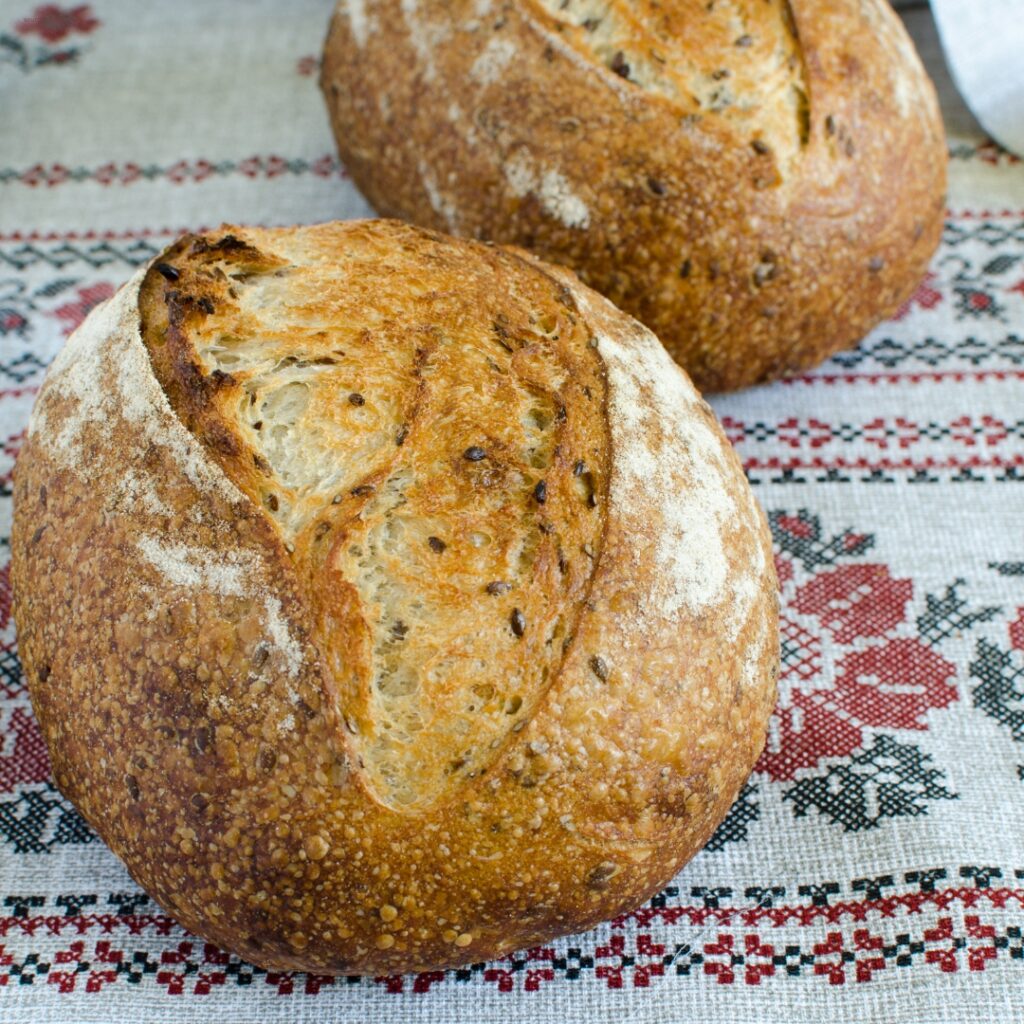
point(872, 872)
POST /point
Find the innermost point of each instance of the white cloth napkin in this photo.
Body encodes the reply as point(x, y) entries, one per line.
point(984, 45)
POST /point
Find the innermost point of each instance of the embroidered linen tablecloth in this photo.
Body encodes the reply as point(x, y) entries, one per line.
point(872, 869)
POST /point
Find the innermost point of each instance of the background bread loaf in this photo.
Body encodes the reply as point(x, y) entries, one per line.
point(387, 601)
point(759, 181)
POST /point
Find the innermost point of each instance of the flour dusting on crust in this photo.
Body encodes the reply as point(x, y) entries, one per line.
point(671, 466)
point(906, 73)
point(558, 198)
point(277, 626)
point(223, 573)
point(600, 75)
point(137, 489)
point(497, 55)
point(644, 390)
point(751, 668)
point(439, 202)
point(358, 21)
point(551, 187)
point(519, 174)
point(105, 372)
point(424, 36)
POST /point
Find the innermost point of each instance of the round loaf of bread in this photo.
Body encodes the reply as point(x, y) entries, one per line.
point(387, 601)
point(759, 181)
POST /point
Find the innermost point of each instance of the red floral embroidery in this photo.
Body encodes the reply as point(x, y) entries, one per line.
point(783, 570)
point(802, 732)
point(1017, 630)
point(855, 601)
point(834, 684)
point(23, 756)
point(796, 526)
point(54, 23)
point(927, 296)
point(73, 313)
point(5, 596)
point(12, 322)
point(894, 685)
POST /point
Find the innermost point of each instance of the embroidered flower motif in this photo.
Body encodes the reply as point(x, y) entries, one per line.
point(895, 684)
point(12, 322)
point(73, 313)
point(927, 296)
point(53, 23)
point(855, 601)
point(845, 668)
point(23, 756)
point(5, 596)
point(1017, 631)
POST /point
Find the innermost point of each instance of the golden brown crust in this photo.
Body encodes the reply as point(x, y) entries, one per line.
point(759, 183)
point(194, 658)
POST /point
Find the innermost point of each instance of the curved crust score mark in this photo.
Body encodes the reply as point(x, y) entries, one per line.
point(409, 639)
point(749, 68)
point(225, 788)
point(804, 110)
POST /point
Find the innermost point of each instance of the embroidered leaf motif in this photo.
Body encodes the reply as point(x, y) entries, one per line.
point(973, 302)
point(890, 780)
point(1008, 568)
point(40, 819)
point(943, 616)
point(1000, 264)
point(74, 903)
point(798, 534)
point(13, 51)
point(23, 367)
point(62, 284)
point(734, 827)
point(1000, 689)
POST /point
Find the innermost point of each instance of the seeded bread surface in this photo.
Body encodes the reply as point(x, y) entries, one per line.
point(387, 601)
point(759, 181)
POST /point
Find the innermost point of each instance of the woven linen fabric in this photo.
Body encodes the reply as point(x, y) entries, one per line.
point(873, 867)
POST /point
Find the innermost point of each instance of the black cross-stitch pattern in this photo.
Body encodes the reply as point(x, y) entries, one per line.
point(1008, 568)
point(893, 353)
point(946, 615)
point(799, 534)
point(1000, 689)
point(734, 826)
point(888, 780)
point(95, 254)
point(36, 820)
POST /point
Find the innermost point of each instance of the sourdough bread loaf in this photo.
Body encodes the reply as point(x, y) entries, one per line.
point(758, 181)
point(387, 601)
